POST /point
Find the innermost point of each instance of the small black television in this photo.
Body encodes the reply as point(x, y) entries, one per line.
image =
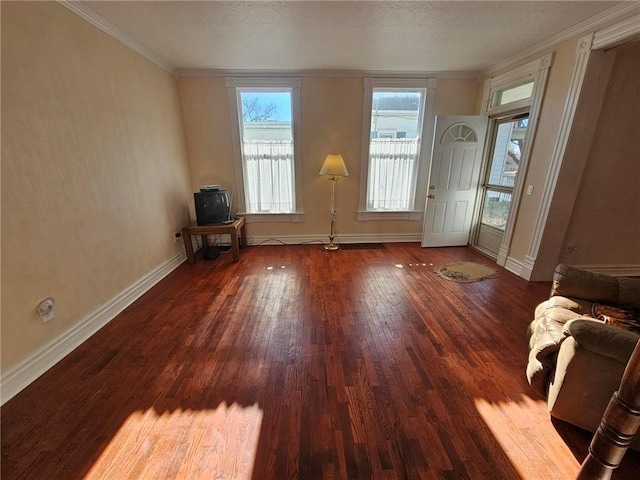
point(212, 207)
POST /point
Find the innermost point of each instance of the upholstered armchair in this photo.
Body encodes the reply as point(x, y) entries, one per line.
point(580, 343)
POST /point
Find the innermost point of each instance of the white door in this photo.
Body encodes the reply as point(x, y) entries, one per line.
point(453, 180)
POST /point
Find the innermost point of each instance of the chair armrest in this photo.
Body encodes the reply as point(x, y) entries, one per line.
point(573, 282)
point(603, 339)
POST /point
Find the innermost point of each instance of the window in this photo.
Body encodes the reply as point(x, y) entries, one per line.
point(267, 153)
point(459, 132)
point(267, 150)
point(517, 89)
point(397, 116)
point(512, 94)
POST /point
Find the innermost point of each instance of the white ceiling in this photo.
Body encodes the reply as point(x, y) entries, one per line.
point(425, 36)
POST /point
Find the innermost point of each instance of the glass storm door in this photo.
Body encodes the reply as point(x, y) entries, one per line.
point(507, 143)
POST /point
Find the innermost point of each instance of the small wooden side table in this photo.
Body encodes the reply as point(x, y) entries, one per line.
point(236, 230)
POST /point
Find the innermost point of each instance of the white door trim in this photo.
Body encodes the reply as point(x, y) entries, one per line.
point(539, 71)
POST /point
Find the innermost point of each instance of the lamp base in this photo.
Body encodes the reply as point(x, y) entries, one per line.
point(331, 247)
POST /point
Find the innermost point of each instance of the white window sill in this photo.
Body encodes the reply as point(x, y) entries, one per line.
point(365, 216)
point(296, 217)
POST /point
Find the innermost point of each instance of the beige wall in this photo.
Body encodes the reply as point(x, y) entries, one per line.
point(94, 170)
point(605, 224)
point(331, 111)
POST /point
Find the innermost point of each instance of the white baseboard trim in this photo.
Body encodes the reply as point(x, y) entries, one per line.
point(614, 270)
point(503, 256)
point(528, 265)
point(486, 253)
point(18, 377)
point(349, 238)
point(514, 266)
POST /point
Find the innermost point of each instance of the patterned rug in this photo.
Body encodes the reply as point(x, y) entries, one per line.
point(466, 272)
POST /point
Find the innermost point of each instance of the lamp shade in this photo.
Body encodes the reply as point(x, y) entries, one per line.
point(334, 165)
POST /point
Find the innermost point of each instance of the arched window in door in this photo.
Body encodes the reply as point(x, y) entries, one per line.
point(459, 132)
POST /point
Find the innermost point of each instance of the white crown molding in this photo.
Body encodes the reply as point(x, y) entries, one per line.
point(588, 25)
point(192, 72)
point(86, 13)
point(18, 377)
point(617, 33)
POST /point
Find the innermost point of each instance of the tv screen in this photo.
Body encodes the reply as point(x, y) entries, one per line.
point(212, 207)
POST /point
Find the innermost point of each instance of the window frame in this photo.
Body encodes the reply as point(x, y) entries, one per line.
point(538, 71)
point(428, 120)
point(292, 84)
point(495, 102)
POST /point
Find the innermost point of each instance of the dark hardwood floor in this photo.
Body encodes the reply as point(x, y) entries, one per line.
point(301, 363)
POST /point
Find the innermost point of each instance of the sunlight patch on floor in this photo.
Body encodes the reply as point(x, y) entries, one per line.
point(510, 422)
point(220, 443)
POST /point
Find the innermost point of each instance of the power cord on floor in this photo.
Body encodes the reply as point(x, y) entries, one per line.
point(273, 239)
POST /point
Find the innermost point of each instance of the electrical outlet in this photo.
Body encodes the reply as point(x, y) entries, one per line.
point(45, 309)
point(530, 190)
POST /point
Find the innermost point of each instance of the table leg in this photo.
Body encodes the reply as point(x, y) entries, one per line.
point(235, 245)
point(205, 242)
point(243, 236)
point(188, 246)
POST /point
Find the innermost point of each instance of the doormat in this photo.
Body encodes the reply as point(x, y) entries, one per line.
point(466, 272)
point(362, 246)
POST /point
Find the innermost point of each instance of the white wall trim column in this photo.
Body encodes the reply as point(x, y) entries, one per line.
point(579, 70)
point(605, 38)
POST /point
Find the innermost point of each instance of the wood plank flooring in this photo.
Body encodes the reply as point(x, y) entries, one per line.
point(300, 363)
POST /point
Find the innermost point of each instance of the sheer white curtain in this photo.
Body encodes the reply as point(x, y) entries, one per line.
point(392, 166)
point(268, 168)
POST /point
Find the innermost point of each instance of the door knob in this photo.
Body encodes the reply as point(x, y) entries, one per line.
point(431, 196)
